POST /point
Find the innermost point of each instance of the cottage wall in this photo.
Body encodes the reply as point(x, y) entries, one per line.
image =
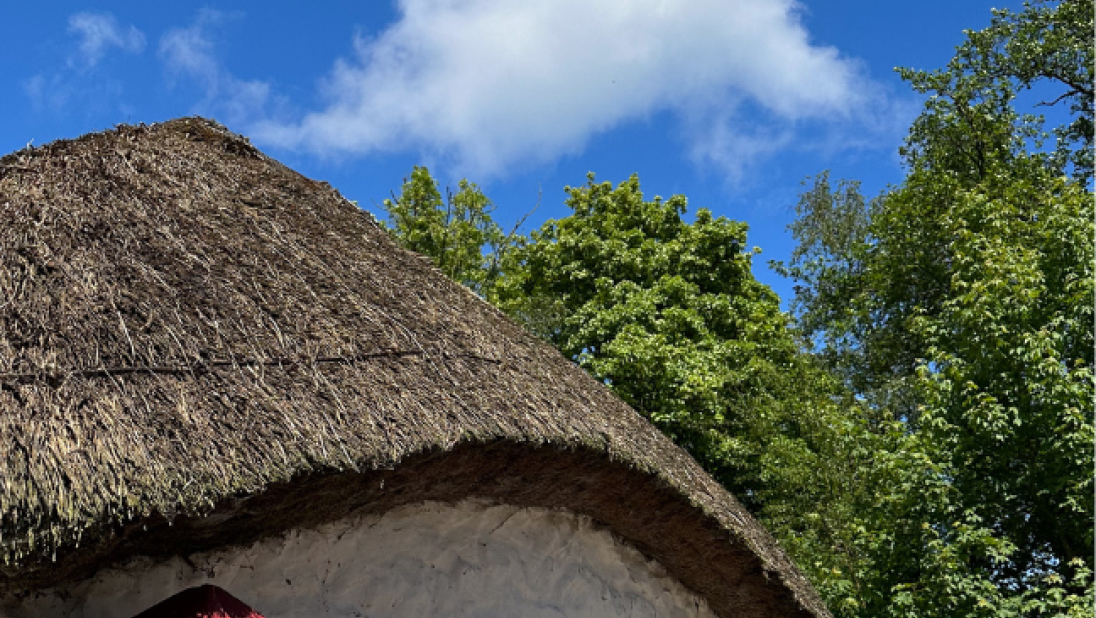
point(470, 559)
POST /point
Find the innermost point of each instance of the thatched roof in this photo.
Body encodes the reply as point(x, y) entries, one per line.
point(192, 334)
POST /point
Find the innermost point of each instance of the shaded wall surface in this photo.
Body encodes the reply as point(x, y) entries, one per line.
point(430, 559)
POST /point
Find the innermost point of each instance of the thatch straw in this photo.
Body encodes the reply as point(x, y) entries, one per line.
point(193, 334)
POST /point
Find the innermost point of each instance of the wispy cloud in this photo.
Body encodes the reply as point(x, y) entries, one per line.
point(97, 33)
point(723, 139)
point(46, 92)
point(191, 53)
point(490, 83)
point(84, 76)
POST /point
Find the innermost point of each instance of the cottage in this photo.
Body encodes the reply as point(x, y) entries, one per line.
point(217, 372)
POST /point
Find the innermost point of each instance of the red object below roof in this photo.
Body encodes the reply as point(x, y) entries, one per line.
point(206, 601)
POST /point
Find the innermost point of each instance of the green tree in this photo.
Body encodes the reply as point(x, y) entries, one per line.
point(962, 310)
point(993, 508)
point(668, 314)
point(665, 312)
point(832, 302)
point(1050, 45)
point(969, 129)
point(970, 115)
point(457, 233)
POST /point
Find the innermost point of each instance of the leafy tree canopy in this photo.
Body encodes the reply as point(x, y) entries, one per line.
point(457, 233)
point(970, 116)
point(960, 305)
point(669, 315)
point(933, 456)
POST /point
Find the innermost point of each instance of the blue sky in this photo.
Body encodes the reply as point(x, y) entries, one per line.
point(729, 102)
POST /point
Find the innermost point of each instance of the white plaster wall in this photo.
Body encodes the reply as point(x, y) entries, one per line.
point(432, 559)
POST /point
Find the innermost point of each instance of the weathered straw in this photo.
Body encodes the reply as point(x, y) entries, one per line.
point(193, 334)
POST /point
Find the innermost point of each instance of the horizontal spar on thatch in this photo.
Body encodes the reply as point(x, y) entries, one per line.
point(208, 366)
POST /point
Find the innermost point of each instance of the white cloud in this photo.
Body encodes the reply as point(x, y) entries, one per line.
point(98, 33)
point(191, 52)
point(75, 83)
point(721, 139)
point(491, 83)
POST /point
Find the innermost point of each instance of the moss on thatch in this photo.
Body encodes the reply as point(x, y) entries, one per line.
point(192, 334)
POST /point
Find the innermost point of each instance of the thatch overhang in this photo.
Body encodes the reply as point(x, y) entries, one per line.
point(200, 347)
